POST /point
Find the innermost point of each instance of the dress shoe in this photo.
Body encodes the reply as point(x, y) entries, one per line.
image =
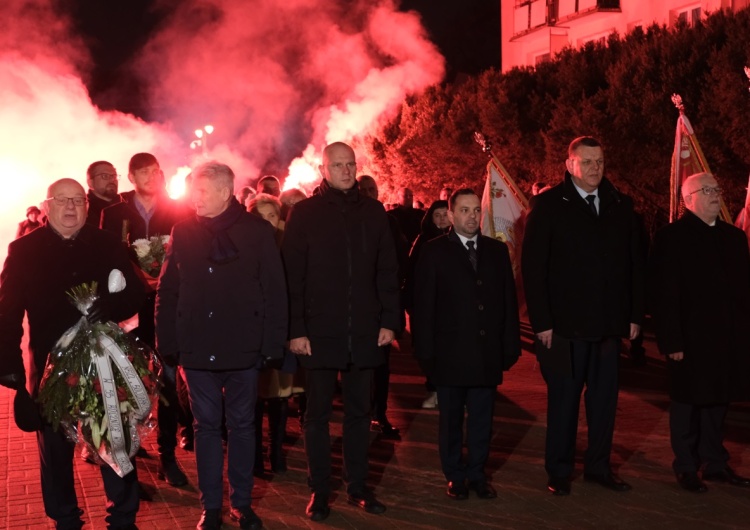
point(187, 444)
point(457, 490)
point(366, 500)
point(608, 480)
point(210, 520)
point(170, 472)
point(386, 430)
point(483, 490)
point(691, 482)
point(317, 508)
point(559, 486)
point(727, 476)
point(431, 401)
point(246, 517)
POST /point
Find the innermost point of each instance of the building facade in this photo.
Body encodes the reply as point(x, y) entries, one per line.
point(533, 31)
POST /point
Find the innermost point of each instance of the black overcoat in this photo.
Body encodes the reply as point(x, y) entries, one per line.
point(465, 323)
point(342, 274)
point(40, 268)
point(583, 275)
point(222, 317)
point(700, 303)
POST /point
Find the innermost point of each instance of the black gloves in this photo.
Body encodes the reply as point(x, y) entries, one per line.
point(100, 310)
point(26, 412)
point(14, 381)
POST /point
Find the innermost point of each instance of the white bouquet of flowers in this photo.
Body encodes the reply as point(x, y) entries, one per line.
point(151, 253)
point(99, 384)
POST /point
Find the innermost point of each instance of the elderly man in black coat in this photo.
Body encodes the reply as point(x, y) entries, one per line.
point(700, 287)
point(466, 333)
point(221, 310)
point(39, 270)
point(583, 275)
point(342, 270)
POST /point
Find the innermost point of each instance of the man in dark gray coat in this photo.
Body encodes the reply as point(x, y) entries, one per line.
point(341, 269)
point(700, 287)
point(583, 275)
point(221, 310)
point(466, 333)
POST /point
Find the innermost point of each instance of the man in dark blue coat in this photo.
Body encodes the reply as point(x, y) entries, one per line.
point(342, 270)
point(700, 293)
point(466, 333)
point(221, 309)
point(583, 275)
point(39, 270)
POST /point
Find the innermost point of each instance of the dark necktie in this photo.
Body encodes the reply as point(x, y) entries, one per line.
point(592, 204)
point(472, 254)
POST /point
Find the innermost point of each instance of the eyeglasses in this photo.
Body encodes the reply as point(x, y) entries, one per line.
point(707, 190)
point(63, 201)
point(107, 176)
point(338, 166)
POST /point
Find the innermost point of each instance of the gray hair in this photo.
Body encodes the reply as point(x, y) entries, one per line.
point(221, 175)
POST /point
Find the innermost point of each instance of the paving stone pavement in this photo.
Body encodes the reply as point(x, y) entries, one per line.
point(406, 474)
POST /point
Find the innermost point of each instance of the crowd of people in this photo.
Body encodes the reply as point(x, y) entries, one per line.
point(265, 295)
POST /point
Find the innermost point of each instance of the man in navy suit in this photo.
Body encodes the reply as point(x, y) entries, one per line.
point(466, 333)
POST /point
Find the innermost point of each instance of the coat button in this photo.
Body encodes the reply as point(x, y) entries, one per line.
point(212, 358)
point(210, 314)
point(479, 282)
point(481, 307)
point(210, 269)
point(481, 332)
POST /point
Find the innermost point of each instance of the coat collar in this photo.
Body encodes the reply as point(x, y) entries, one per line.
point(608, 194)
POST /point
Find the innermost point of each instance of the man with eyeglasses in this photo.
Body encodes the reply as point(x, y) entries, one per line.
point(144, 212)
point(29, 284)
point(700, 290)
point(342, 271)
point(101, 178)
point(583, 273)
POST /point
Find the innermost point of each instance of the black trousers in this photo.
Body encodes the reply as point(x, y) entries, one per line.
point(380, 387)
point(697, 436)
point(595, 367)
point(479, 403)
point(356, 385)
point(58, 488)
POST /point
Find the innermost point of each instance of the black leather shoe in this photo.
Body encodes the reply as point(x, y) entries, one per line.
point(691, 482)
point(727, 476)
point(483, 490)
point(170, 472)
point(246, 517)
point(386, 430)
point(457, 491)
point(367, 501)
point(210, 520)
point(609, 481)
point(317, 508)
point(559, 486)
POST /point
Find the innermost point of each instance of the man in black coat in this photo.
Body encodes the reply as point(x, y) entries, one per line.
point(583, 275)
point(102, 179)
point(148, 211)
point(79, 254)
point(466, 333)
point(700, 287)
point(342, 276)
point(222, 310)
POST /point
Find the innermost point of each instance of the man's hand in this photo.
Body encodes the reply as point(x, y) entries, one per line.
point(385, 337)
point(677, 356)
point(545, 337)
point(300, 346)
point(635, 330)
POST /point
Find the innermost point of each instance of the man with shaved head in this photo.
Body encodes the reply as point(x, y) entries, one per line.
point(79, 254)
point(343, 291)
point(700, 288)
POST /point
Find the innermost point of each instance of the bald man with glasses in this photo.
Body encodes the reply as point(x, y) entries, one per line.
point(700, 289)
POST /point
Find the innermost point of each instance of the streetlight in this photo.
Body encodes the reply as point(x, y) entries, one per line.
point(202, 140)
